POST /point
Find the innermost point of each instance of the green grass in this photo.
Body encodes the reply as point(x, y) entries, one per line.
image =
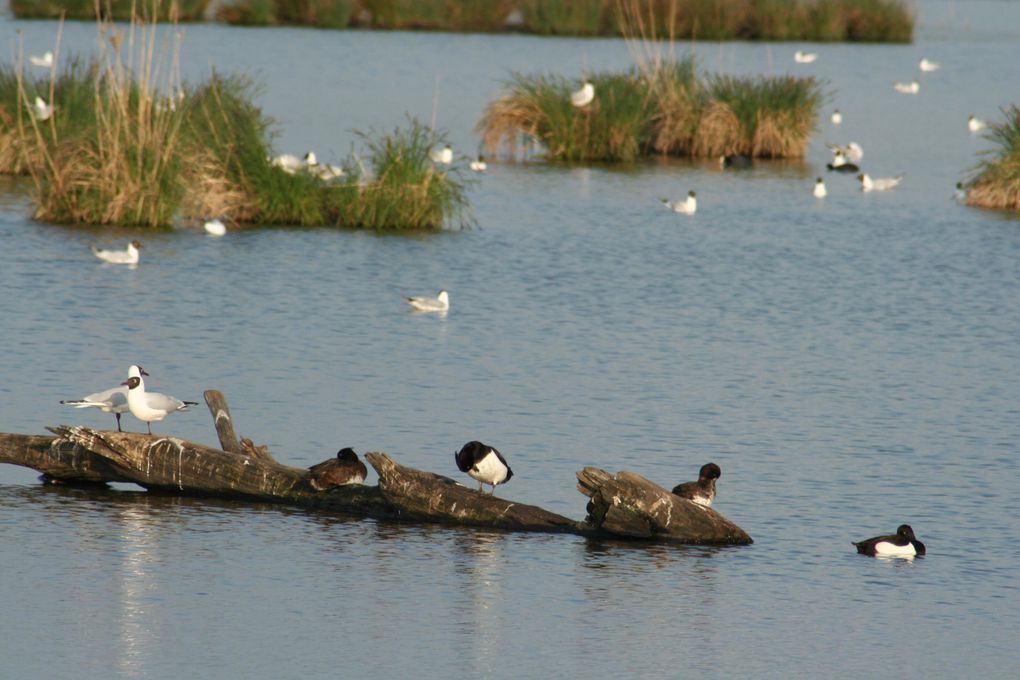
point(997, 180)
point(117, 10)
point(661, 107)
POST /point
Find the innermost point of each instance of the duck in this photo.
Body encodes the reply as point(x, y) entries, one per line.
point(440, 303)
point(150, 406)
point(913, 87)
point(901, 544)
point(820, 191)
point(927, 65)
point(46, 60)
point(702, 491)
point(688, 206)
point(215, 227)
point(484, 464)
point(113, 400)
point(443, 156)
point(584, 96)
point(840, 163)
point(129, 255)
point(344, 469)
point(836, 118)
point(735, 160)
point(802, 57)
point(975, 124)
point(878, 184)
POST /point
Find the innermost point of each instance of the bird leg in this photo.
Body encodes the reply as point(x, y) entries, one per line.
point(118, 422)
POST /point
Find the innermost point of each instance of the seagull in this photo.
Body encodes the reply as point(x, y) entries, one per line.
point(113, 400)
point(440, 303)
point(150, 406)
point(215, 227)
point(879, 184)
point(689, 206)
point(328, 172)
point(975, 124)
point(837, 117)
point(913, 87)
point(291, 164)
point(702, 491)
point(443, 156)
point(344, 469)
point(927, 65)
point(42, 110)
point(819, 190)
point(45, 60)
point(902, 544)
point(804, 57)
point(584, 96)
point(854, 152)
point(961, 192)
point(484, 464)
point(479, 165)
point(127, 256)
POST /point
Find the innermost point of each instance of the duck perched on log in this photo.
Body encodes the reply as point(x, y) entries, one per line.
point(344, 469)
point(483, 463)
point(702, 491)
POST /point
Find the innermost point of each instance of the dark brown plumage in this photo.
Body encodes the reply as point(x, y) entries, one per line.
point(344, 469)
point(703, 490)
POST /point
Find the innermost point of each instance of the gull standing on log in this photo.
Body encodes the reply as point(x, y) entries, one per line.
point(129, 255)
point(113, 400)
point(440, 303)
point(584, 96)
point(150, 406)
point(483, 463)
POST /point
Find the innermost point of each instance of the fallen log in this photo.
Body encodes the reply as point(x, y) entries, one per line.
point(625, 505)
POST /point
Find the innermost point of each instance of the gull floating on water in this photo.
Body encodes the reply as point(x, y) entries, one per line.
point(42, 110)
point(291, 164)
point(879, 183)
point(913, 87)
point(961, 192)
point(819, 190)
point(688, 206)
point(113, 400)
point(127, 256)
point(975, 124)
point(927, 65)
point(584, 96)
point(840, 162)
point(479, 165)
point(150, 406)
point(215, 227)
point(443, 156)
point(837, 117)
point(45, 60)
point(440, 303)
point(804, 57)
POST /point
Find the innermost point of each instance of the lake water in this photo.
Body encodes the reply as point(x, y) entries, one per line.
point(851, 363)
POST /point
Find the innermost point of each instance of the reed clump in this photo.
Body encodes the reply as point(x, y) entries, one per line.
point(116, 10)
point(659, 107)
point(997, 180)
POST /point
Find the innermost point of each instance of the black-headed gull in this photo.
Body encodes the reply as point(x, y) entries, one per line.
point(702, 491)
point(113, 400)
point(129, 255)
point(913, 87)
point(291, 164)
point(150, 406)
point(975, 124)
point(961, 192)
point(927, 65)
point(45, 60)
point(479, 165)
point(443, 156)
point(344, 469)
point(484, 464)
point(688, 206)
point(879, 183)
point(802, 57)
point(819, 191)
point(584, 96)
point(836, 118)
point(41, 109)
point(440, 303)
point(215, 227)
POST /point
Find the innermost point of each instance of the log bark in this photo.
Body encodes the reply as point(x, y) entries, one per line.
point(627, 504)
point(426, 496)
point(222, 421)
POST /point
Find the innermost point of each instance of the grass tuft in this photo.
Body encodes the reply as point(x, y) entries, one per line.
point(997, 180)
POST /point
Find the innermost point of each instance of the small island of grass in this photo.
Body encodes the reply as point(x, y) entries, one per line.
point(996, 183)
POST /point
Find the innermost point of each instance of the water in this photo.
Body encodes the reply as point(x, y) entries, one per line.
point(850, 363)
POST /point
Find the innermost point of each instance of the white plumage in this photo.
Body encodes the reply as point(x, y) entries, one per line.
point(584, 96)
point(150, 406)
point(975, 124)
point(879, 183)
point(41, 109)
point(45, 60)
point(820, 190)
point(215, 227)
point(443, 156)
point(440, 303)
point(927, 65)
point(688, 206)
point(804, 57)
point(129, 255)
point(913, 87)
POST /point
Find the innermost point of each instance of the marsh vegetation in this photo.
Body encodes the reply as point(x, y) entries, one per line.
point(996, 183)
